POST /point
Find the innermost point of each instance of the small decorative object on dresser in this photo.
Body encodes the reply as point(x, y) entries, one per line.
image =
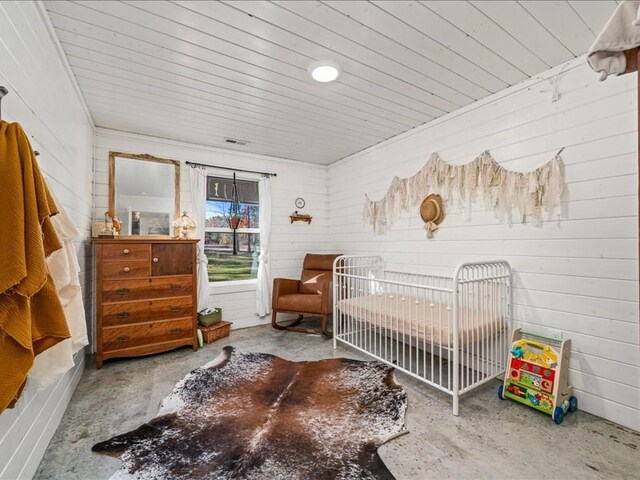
point(145, 296)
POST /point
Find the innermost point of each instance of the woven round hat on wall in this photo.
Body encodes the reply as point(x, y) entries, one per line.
point(432, 209)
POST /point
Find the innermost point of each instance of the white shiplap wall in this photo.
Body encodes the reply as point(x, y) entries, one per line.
point(578, 274)
point(289, 242)
point(44, 101)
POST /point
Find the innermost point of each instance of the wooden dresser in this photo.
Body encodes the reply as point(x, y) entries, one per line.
point(145, 296)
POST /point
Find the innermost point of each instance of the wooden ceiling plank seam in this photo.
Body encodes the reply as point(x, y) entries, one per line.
point(374, 107)
point(187, 134)
point(415, 15)
point(454, 60)
point(370, 62)
point(335, 19)
point(182, 123)
point(135, 68)
point(181, 127)
point(594, 13)
point(516, 38)
point(220, 120)
point(361, 86)
point(448, 59)
point(64, 37)
point(359, 83)
point(82, 78)
point(374, 100)
point(316, 142)
point(105, 69)
point(519, 23)
point(564, 22)
point(406, 122)
point(293, 128)
point(486, 31)
point(124, 62)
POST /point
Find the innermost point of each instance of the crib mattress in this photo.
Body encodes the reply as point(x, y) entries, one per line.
point(430, 322)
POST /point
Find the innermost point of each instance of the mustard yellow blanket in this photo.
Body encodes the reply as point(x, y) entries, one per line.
point(31, 317)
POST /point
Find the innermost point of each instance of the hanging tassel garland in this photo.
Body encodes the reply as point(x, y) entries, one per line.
point(531, 193)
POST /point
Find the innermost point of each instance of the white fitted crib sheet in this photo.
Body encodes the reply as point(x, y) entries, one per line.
point(429, 322)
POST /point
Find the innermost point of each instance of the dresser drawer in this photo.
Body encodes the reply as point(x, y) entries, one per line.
point(125, 251)
point(123, 313)
point(116, 338)
point(126, 269)
point(146, 288)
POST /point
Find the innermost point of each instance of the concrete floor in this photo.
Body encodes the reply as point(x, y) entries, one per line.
point(490, 438)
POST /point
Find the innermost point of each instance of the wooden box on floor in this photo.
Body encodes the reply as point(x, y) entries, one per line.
point(215, 332)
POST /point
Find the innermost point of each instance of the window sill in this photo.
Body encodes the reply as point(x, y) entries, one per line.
point(234, 286)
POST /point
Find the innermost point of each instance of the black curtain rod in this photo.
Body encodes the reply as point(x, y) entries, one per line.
point(195, 164)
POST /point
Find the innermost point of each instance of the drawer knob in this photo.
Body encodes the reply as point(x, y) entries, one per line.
point(175, 309)
point(155, 259)
point(175, 286)
point(122, 291)
point(123, 338)
point(127, 269)
point(125, 251)
point(123, 314)
point(176, 331)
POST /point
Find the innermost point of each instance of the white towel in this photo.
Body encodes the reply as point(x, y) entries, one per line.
point(622, 32)
point(63, 265)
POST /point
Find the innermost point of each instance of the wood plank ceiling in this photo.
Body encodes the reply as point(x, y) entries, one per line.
point(205, 71)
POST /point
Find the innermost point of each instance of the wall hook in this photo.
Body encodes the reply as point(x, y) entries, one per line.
point(3, 92)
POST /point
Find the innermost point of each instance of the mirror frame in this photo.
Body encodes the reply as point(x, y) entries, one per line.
point(149, 158)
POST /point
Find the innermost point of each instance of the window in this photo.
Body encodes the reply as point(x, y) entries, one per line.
point(232, 254)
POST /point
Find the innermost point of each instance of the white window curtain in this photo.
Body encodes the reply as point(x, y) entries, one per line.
point(198, 182)
point(263, 287)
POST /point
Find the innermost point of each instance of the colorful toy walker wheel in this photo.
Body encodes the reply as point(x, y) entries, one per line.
point(501, 392)
point(573, 404)
point(558, 415)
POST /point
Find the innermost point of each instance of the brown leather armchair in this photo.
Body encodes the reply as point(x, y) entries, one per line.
point(309, 295)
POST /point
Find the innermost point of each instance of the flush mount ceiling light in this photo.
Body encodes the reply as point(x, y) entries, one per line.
point(324, 71)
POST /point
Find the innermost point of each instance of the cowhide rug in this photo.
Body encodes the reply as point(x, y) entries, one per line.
point(258, 416)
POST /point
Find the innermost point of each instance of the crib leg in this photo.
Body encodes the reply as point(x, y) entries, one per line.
point(455, 403)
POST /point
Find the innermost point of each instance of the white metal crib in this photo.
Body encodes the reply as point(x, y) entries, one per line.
point(450, 332)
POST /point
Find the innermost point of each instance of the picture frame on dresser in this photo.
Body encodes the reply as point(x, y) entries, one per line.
point(145, 296)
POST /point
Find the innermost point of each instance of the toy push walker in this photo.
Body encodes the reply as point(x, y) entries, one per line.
point(538, 375)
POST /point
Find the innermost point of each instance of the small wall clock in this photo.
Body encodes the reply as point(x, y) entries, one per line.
point(300, 202)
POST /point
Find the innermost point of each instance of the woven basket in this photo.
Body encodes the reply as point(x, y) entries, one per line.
point(215, 332)
point(209, 319)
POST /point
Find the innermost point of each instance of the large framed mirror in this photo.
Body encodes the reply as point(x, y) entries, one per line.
point(144, 191)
